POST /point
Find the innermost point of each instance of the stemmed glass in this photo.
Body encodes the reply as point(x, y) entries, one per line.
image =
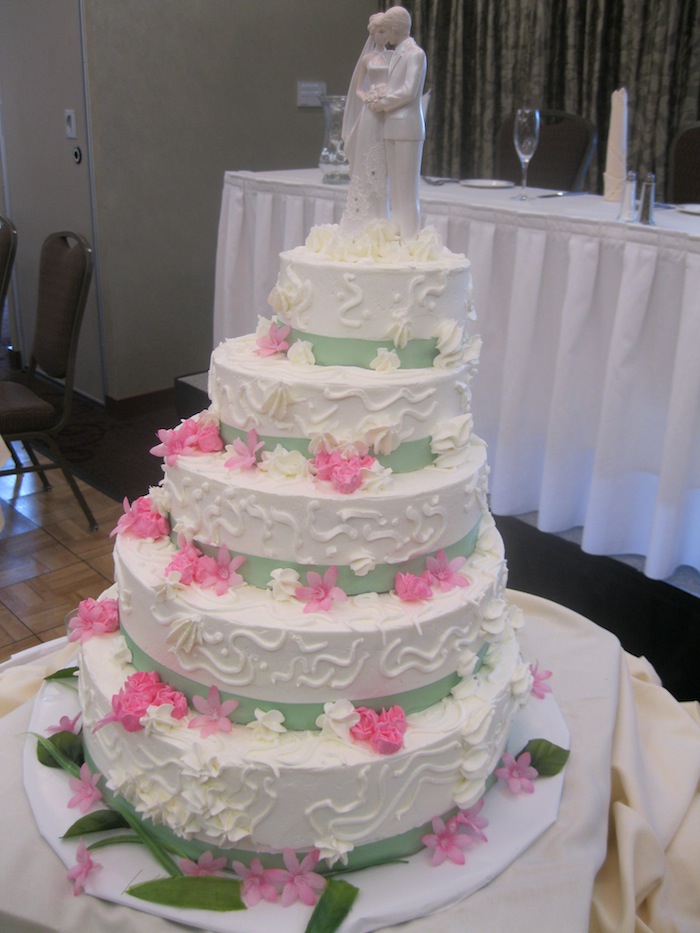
point(526, 136)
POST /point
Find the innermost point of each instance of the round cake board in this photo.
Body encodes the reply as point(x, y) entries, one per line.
point(389, 894)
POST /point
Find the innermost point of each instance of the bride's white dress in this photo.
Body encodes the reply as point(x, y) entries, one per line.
point(364, 148)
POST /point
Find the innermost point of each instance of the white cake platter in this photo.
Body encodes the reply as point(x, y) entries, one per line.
point(388, 895)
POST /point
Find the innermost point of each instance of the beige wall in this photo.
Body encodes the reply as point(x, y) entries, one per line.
point(179, 92)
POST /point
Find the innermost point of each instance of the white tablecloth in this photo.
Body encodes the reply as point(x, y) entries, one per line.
point(589, 389)
point(622, 857)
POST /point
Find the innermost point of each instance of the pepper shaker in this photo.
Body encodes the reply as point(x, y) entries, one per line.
point(628, 202)
point(646, 204)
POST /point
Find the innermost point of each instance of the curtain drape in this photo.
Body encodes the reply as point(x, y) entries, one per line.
point(487, 58)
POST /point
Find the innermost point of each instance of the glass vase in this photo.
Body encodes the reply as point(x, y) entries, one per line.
point(333, 161)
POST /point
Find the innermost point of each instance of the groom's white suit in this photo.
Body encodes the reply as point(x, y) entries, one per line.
point(404, 133)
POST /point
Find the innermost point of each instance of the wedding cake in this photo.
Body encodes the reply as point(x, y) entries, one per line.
point(308, 646)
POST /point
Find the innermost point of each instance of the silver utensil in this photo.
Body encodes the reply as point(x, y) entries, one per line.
point(560, 194)
point(436, 180)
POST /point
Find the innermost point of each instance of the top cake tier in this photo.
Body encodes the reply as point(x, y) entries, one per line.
point(353, 300)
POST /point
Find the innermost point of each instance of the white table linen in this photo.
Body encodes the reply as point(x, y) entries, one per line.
point(588, 393)
point(634, 767)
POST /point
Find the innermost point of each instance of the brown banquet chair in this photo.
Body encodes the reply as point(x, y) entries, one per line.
point(8, 249)
point(566, 147)
point(65, 273)
point(684, 167)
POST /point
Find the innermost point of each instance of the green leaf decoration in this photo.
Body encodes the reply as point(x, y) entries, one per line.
point(157, 850)
point(66, 673)
point(333, 906)
point(97, 822)
point(63, 750)
point(120, 840)
point(548, 759)
point(199, 892)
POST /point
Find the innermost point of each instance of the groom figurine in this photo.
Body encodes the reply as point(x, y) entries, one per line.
point(404, 123)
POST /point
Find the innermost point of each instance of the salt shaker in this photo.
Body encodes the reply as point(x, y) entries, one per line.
point(628, 202)
point(646, 204)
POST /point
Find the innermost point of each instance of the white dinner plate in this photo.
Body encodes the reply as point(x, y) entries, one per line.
point(689, 208)
point(486, 183)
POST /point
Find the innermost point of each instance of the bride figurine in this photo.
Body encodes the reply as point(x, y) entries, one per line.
point(363, 132)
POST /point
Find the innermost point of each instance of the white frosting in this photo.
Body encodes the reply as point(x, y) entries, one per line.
point(250, 643)
point(262, 789)
point(300, 519)
point(280, 398)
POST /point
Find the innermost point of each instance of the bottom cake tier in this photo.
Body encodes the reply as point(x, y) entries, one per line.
point(259, 788)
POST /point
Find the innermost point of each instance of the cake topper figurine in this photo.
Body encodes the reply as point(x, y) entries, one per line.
point(384, 126)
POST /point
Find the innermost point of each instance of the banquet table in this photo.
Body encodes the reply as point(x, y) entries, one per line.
point(588, 393)
point(622, 855)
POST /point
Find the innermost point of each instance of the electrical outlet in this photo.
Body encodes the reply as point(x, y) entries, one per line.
point(309, 93)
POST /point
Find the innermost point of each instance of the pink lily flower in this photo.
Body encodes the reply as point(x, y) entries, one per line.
point(518, 775)
point(215, 714)
point(275, 341)
point(65, 724)
point(82, 870)
point(446, 844)
point(539, 688)
point(470, 821)
point(219, 575)
point(320, 591)
point(206, 864)
point(87, 791)
point(299, 880)
point(443, 573)
point(245, 453)
point(256, 883)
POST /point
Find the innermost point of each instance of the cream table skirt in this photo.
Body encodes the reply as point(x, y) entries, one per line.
point(622, 858)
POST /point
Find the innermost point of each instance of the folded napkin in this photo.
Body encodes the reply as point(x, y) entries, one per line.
point(616, 156)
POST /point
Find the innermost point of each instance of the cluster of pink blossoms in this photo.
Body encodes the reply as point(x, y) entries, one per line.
point(297, 881)
point(448, 841)
point(193, 436)
point(142, 520)
point(219, 574)
point(320, 591)
point(384, 731)
point(141, 690)
point(440, 574)
point(343, 471)
point(95, 617)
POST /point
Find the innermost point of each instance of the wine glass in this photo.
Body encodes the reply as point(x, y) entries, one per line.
point(526, 136)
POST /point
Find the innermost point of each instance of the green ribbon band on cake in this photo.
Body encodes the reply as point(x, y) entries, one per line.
point(257, 571)
point(407, 458)
point(348, 351)
point(297, 716)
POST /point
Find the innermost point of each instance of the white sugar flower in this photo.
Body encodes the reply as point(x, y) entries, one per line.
point(385, 361)
point(283, 584)
point(337, 719)
point(449, 443)
point(284, 464)
point(301, 353)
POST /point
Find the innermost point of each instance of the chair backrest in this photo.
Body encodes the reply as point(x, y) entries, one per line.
point(566, 147)
point(684, 168)
point(65, 272)
point(8, 249)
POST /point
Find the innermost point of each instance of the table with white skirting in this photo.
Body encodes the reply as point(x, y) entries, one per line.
point(588, 393)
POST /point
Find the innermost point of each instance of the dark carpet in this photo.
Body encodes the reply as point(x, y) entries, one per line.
point(651, 619)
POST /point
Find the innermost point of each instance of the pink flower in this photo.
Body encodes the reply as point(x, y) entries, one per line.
point(299, 880)
point(83, 868)
point(364, 729)
point(206, 864)
point(539, 688)
point(443, 573)
point(384, 731)
point(65, 725)
point(195, 435)
point(95, 617)
point(446, 844)
point(141, 690)
point(245, 452)
point(142, 520)
point(184, 561)
point(86, 790)
point(215, 714)
point(410, 588)
point(256, 883)
point(344, 472)
point(219, 575)
point(275, 341)
point(471, 821)
point(518, 775)
point(320, 591)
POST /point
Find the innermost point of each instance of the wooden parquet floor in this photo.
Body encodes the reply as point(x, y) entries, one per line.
point(49, 560)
